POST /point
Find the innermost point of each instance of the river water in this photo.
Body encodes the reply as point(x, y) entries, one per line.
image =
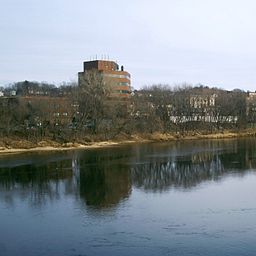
point(180, 198)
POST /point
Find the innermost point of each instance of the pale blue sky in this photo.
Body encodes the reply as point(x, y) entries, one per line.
point(212, 42)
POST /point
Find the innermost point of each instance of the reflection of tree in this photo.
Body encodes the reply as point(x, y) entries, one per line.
point(104, 186)
point(103, 178)
point(162, 175)
point(89, 174)
point(37, 184)
point(190, 169)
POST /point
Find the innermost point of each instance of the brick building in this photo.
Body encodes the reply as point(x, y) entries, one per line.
point(119, 79)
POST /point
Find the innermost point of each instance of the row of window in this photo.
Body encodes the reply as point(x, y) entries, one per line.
point(124, 84)
point(123, 91)
point(117, 76)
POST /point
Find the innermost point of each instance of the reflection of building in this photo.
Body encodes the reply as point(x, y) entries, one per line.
point(119, 79)
point(102, 187)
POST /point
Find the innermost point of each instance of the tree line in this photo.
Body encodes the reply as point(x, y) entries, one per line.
point(89, 111)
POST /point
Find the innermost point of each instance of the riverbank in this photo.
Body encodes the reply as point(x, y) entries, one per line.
point(14, 145)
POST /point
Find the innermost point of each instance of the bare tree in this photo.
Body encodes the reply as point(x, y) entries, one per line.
point(93, 92)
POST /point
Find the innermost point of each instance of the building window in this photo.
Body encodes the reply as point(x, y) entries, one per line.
point(117, 76)
point(124, 83)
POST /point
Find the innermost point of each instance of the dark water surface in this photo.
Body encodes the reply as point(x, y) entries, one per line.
point(183, 198)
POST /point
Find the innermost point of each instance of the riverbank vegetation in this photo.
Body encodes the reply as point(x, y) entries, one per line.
point(36, 114)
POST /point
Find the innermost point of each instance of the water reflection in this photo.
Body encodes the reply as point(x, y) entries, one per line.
point(158, 176)
point(187, 165)
point(36, 184)
point(104, 178)
point(102, 186)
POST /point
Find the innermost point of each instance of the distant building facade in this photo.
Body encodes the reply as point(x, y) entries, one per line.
point(203, 101)
point(119, 79)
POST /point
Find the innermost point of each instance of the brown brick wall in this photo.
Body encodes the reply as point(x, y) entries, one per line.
point(120, 80)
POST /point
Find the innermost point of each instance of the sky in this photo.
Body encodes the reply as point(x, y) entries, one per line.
point(209, 42)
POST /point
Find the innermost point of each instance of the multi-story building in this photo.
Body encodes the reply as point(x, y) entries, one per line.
point(119, 79)
point(199, 101)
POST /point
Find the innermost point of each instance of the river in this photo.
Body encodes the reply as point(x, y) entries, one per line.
point(178, 198)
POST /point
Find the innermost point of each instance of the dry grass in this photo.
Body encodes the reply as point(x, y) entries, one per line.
point(14, 145)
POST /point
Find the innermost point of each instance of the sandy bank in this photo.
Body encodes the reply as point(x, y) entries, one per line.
point(70, 146)
point(25, 146)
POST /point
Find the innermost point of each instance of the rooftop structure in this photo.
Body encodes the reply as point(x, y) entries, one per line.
point(119, 79)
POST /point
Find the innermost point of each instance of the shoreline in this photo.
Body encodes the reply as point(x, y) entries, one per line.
point(71, 146)
point(156, 137)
